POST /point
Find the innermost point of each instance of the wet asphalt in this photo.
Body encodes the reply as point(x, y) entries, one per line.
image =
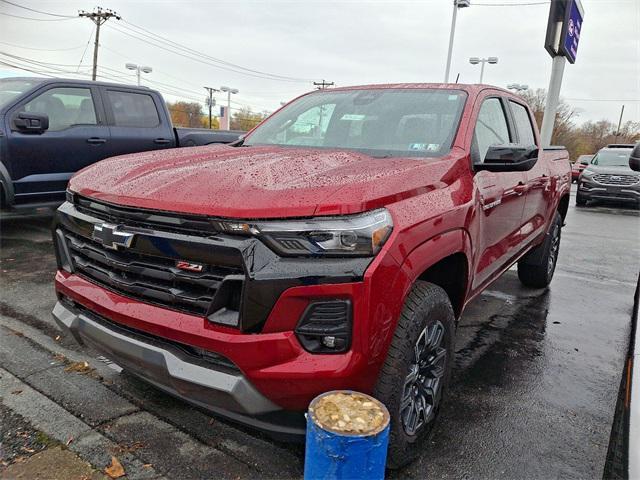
point(533, 395)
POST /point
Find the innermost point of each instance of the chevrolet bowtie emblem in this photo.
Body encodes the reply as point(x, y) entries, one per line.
point(111, 237)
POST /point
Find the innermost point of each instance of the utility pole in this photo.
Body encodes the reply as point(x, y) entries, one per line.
point(210, 101)
point(322, 85)
point(619, 123)
point(99, 16)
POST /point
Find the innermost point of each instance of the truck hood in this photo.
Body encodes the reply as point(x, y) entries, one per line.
point(257, 182)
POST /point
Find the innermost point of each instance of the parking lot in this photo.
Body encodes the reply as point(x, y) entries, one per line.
point(536, 378)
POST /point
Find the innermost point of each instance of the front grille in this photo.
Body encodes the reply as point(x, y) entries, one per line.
point(618, 180)
point(148, 277)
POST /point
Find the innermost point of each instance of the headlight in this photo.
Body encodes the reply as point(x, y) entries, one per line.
point(360, 235)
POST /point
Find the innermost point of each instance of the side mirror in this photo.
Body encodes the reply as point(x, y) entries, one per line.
point(509, 158)
point(31, 122)
point(634, 158)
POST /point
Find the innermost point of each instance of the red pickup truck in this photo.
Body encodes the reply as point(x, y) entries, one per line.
point(334, 247)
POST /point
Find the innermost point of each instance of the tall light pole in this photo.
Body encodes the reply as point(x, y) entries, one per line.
point(482, 61)
point(138, 69)
point(456, 5)
point(229, 91)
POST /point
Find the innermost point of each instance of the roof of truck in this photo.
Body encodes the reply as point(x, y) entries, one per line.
point(467, 87)
point(41, 80)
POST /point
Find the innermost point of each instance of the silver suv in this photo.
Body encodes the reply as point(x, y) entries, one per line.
point(609, 177)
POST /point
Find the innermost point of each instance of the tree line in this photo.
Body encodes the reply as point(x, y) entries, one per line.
point(585, 138)
point(193, 115)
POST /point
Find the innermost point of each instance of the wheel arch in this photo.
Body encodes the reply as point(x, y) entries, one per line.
point(6, 187)
point(443, 260)
point(563, 206)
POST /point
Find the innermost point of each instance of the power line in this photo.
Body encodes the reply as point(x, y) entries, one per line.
point(36, 19)
point(42, 49)
point(214, 59)
point(169, 48)
point(322, 85)
point(37, 11)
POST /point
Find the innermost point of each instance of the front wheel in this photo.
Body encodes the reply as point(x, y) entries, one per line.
point(536, 268)
point(416, 372)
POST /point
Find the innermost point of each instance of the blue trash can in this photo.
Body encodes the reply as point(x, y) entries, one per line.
point(343, 445)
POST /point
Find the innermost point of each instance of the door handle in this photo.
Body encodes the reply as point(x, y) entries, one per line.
point(520, 188)
point(96, 140)
point(162, 141)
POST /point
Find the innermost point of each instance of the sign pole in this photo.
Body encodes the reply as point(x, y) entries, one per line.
point(553, 97)
point(563, 34)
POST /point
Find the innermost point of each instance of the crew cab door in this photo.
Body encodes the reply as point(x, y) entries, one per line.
point(138, 122)
point(501, 195)
point(539, 194)
point(42, 162)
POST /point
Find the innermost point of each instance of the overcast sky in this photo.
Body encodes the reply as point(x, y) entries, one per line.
point(348, 42)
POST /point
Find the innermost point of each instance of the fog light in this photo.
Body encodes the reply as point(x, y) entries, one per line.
point(325, 327)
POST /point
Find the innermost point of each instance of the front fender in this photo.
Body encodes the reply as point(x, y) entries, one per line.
point(431, 252)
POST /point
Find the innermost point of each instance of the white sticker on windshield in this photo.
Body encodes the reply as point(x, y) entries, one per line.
point(418, 146)
point(353, 117)
point(453, 97)
point(433, 147)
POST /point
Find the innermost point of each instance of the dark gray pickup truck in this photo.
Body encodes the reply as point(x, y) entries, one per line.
point(51, 128)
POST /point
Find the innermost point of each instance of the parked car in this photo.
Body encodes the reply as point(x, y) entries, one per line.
point(51, 128)
point(609, 177)
point(579, 165)
point(335, 247)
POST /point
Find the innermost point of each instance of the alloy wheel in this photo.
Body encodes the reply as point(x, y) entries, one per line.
point(423, 385)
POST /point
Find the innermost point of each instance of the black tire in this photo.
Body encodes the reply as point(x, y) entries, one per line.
point(580, 200)
point(536, 268)
point(427, 315)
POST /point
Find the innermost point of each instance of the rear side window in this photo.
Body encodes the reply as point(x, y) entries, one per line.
point(491, 128)
point(133, 109)
point(523, 124)
point(65, 107)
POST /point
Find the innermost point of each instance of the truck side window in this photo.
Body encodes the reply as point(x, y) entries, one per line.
point(133, 109)
point(65, 107)
point(523, 124)
point(491, 129)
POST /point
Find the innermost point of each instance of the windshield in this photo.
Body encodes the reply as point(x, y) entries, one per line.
point(379, 122)
point(612, 158)
point(13, 88)
point(584, 159)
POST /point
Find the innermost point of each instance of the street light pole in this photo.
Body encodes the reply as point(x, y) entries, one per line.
point(518, 87)
point(456, 5)
point(229, 91)
point(138, 69)
point(482, 61)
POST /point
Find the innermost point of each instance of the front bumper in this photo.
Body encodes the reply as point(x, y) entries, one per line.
point(166, 366)
point(591, 190)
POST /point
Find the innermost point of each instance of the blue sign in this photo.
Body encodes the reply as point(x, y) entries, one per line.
point(571, 30)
